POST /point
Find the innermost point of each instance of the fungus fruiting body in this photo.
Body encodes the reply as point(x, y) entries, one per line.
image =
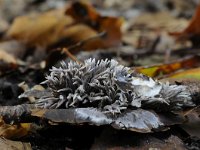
point(110, 87)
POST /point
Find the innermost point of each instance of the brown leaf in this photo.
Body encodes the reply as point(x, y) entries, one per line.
point(39, 29)
point(7, 62)
point(86, 14)
point(143, 30)
point(55, 29)
point(83, 12)
point(14, 145)
point(4, 56)
point(192, 31)
point(193, 27)
point(14, 131)
point(81, 32)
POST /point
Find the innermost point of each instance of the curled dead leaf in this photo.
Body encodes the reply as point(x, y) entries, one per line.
point(14, 131)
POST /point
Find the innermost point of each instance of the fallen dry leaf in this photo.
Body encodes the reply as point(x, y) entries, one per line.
point(143, 30)
point(6, 57)
point(79, 102)
point(81, 32)
point(14, 131)
point(83, 12)
point(14, 145)
point(192, 31)
point(164, 69)
point(7, 62)
point(193, 27)
point(86, 14)
point(55, 28)
point(187, 74)
point(39, 29)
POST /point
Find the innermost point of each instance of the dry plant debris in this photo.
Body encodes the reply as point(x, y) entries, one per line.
point(124, 71)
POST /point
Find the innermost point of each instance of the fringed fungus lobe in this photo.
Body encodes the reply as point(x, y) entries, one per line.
point(106, 85)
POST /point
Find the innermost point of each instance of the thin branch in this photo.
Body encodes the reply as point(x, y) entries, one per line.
point(18, 113)
point(70, 55)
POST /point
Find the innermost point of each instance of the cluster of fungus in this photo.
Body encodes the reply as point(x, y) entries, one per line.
point(110, 87)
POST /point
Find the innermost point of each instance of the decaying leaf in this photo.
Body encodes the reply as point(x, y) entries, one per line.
point(163, 69)
point(193, 27)
point(187, 74)
point(86, 14)
point(39, 29)
point(13, 131)
point(164, 20)
point(55, 28)
point(83, 12)
point(143, 31)
point(7, 62)
point(6, 57)
point(87, 33)
point(14, 145)
point(95, 94)
point(192, 31)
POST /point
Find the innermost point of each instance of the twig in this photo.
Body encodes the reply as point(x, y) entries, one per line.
point(70, 55)
point(69, 51)
point(184, 51)
point(18, 113)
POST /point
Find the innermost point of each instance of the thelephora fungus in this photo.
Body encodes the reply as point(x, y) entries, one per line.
point(111, 88)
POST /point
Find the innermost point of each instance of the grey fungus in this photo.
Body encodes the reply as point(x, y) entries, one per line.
point(109, 87)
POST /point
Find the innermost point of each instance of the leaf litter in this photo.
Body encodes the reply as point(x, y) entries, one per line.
point(96, 69)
